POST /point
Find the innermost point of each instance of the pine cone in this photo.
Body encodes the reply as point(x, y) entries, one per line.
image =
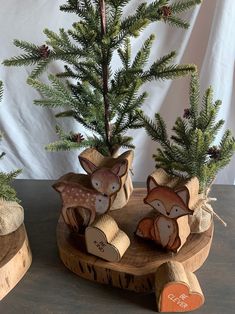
point(77, 138)
point(214, 152)
point(44, 52)
point(165, 11)
point(187, 113)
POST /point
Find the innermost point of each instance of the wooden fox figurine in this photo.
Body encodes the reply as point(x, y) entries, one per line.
point(166, 201)
point(164, 231)
point(81, 200)
point(169, 228)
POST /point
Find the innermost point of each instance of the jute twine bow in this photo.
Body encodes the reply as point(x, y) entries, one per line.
point(208, 208)
point(204, 204)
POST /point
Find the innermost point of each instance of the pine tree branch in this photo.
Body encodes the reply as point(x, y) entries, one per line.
point(67, 145)
point(191, 151)
point(163, 62)
point(176, 21)
point(183, 5)
point(104, 102)
point(194, 97)
point(169, 72)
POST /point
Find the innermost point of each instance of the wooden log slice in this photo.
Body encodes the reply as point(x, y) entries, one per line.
point(15, 259)
point(136, 270)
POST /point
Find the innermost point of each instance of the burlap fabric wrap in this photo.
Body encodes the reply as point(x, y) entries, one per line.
point(204, 213)
point(11, 216)
point(201, 220)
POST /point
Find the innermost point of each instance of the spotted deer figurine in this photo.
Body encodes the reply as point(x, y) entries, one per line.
point(80, 204)
point(169, 227)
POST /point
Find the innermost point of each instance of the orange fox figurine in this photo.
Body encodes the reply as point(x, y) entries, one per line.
point(166, 201)
point(162, 230)
point(169, 228)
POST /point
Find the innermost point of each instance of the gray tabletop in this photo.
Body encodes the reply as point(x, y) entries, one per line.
point(49, 287)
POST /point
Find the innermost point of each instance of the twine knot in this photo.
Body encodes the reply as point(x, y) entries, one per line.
point(205, 205)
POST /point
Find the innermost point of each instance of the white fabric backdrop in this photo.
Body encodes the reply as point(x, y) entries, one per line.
point(209, 43)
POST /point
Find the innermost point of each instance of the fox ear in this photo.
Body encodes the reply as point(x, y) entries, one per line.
point(120, 168)
point(151, 183)
point(184, 195)
point(87, 165)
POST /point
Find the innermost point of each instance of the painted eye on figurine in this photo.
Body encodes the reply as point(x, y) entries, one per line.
point(96, 184)
point(113, 188)
point(159, 206)
point(176, 212)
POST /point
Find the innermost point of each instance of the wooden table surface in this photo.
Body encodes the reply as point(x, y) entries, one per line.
point(49, 287)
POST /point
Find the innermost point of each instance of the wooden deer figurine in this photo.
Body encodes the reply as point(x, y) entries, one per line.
point(109, 175)
point(105, 180)
point(83, 195)
point(169, 227)
point(79, 200)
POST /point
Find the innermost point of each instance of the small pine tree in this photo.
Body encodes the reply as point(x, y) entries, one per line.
point(191, 151)
point(103, 101)
point(6, 191)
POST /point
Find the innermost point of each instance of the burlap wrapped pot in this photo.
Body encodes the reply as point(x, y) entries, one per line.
point(11, 216)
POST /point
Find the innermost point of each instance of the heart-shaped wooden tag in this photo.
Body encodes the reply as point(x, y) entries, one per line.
point(104, 239)
point(176, 289)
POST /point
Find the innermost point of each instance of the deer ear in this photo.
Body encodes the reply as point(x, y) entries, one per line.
point(58, 186)
point(87, 165)
point(184, 195)
point(151, 183)
point(120, 168)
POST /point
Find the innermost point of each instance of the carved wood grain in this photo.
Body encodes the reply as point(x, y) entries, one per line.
point(15, 259)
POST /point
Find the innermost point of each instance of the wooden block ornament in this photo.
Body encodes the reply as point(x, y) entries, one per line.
point(104, 239)
point(170, 198)
point(177, 290)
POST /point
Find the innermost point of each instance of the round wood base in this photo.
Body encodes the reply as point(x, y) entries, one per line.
point(15, 259)
point(136, 270)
